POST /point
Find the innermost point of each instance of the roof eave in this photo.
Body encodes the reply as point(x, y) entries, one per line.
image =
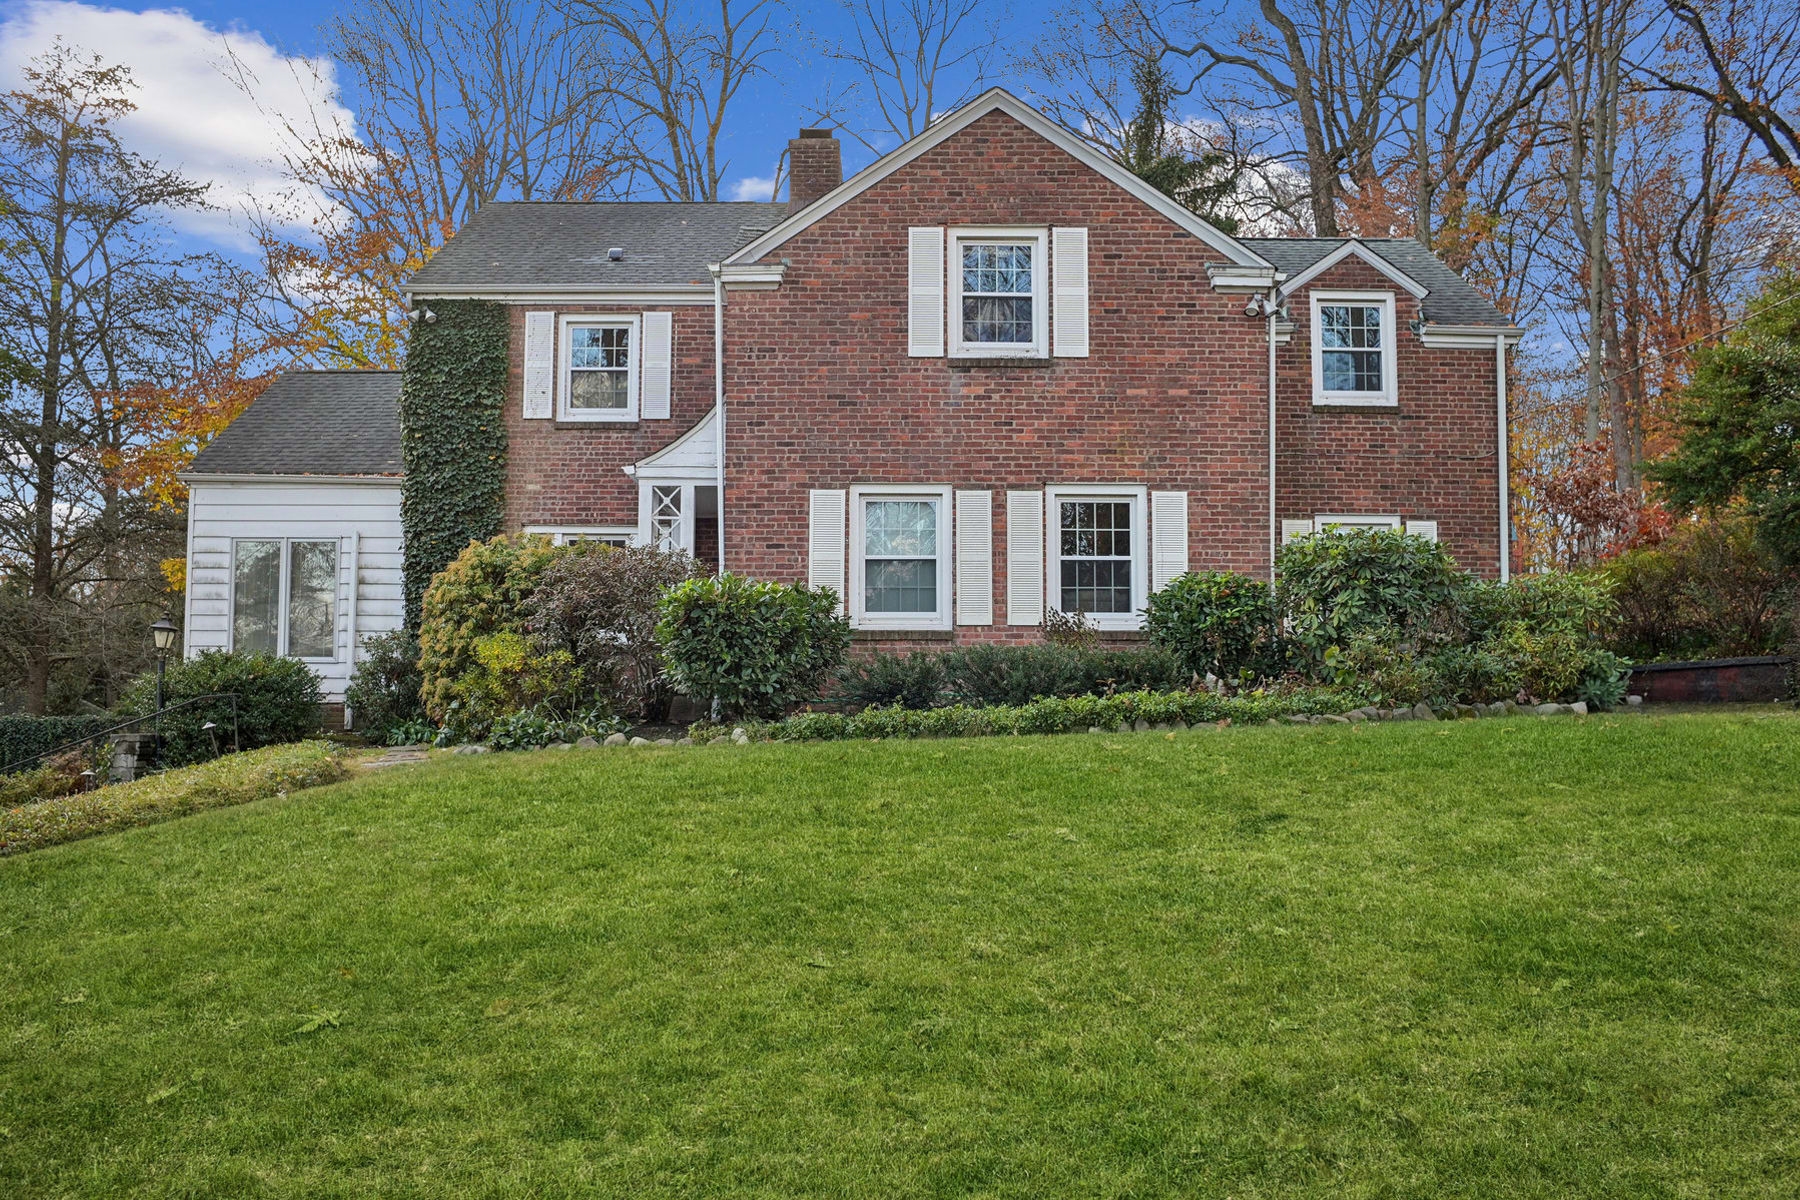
point(360, 479)
point(993, 100)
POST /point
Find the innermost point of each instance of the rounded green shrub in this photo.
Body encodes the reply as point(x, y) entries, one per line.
point(278, 701)
point(1380, 583)
point(383, 696)
point(757, 648)
point(1216, 623)
point(480, 594)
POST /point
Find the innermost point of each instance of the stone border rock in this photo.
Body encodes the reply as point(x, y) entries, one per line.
point(1447, 712)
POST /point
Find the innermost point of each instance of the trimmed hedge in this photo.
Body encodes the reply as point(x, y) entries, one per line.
point(278, 701)
point(22, 736)
point(233, 779)
point(1074, 714)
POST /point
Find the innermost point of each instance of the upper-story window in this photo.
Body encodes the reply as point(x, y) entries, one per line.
point(1353, 348)
point(999, 308)
point(599, 376)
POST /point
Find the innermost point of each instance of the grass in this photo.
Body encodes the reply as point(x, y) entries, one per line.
point(233, 779)
point(1484, 959)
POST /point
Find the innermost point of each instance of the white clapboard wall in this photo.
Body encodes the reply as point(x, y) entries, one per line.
point(363, 518)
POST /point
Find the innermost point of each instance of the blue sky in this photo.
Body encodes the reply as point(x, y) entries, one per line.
point(191, 116)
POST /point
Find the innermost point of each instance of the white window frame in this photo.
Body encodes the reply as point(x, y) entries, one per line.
point(566, 324)
point(1140, 548)
point(1323, 522)
point(281, 593)
point(855, 585)
point(1389, 395)
point(1039, 237)
point(563, 535)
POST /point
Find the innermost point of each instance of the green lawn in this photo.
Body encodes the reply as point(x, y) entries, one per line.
point(1499, 958)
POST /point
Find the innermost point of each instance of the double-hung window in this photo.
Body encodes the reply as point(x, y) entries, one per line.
point(900, 540)
point(599, 369)
point(1098, 554)
point(1353, 348)
point(284, 597)
point(998, 308)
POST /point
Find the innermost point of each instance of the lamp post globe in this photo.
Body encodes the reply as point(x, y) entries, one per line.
point(162, 636)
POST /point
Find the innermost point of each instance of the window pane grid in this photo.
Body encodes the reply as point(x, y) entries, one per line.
point(997, 293)
point(900, 547)
point(1095, 544)
point(1350, 340)
point(600, 366)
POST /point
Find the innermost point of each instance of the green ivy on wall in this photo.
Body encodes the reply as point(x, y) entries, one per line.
point(453, 436)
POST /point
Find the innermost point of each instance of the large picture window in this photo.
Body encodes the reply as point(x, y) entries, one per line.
point(1353, 348)
point(901, 545)
point(1099, 554)
point(599, 375)
point(999, 307)
point(284, 597)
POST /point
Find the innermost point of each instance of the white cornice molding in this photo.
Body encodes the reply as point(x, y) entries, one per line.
point(947, 127)
point(749, 277)
point(699, 294)
point(192, 477)
point(1235, 278)
point(1468, 337)
point(1355, 249)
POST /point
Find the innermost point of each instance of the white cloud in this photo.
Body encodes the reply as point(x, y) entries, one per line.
point(192, 114)
point(753, 187)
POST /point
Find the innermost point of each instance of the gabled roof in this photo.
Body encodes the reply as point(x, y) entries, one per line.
point(313, 423)
point(946, 127)
point(543, 247)
point(1448, 298)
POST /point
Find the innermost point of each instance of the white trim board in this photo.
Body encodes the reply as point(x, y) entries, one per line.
point(947, 127)
point(1355, 249)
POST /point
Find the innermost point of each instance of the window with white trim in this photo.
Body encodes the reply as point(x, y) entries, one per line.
point(284, 597)
point(666, 531)
point(1325, 524)
point(1099, 554)
point(900, 564)
point(599, 369)
point(606, 535)
point(998, 300)
point(1353, 348)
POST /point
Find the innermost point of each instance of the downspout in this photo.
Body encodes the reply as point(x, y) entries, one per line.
point(355, 578)
point(719, 405)
point(1274, 310)
point(1504, 455)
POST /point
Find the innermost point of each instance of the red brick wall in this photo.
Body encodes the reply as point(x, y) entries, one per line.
point(822, 394)
point(1430, 458)
point(567, 473)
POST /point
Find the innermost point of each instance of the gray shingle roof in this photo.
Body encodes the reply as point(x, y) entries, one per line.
point(537, 246)
point(1449, 299)
point(313, 423)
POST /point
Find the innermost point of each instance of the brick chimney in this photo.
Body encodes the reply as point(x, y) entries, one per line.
point(815, 166)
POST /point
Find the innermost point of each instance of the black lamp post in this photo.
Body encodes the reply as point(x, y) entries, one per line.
point(162, 632)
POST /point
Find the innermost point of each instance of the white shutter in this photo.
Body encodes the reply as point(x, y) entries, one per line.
point(1424, 529)
point(1168, 537)
point(825, 542)
point(540, 365)
point(1024, 558)
point(925, 293)
point(1069, 276)
point(1295, 529)
point(974, 558)
point(657, 358)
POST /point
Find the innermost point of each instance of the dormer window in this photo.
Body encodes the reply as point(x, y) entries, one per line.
point(1353, 348)
point(599, 376)
point(999, 306)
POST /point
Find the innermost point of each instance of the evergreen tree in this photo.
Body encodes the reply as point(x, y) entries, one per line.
point(1201, 183)
point(1740, 425)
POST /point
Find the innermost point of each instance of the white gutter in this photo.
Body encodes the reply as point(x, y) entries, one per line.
point(1503, 455)
point(1274, 521)
point(719, 404)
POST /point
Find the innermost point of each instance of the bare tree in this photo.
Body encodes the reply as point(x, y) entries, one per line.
point(458, 105)
point(1742, 56)
point(670, 84)
point(909, 60)
point(95, 303)
point(1333, 68)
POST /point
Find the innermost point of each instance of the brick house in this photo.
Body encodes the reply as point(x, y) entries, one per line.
point(990, 374)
